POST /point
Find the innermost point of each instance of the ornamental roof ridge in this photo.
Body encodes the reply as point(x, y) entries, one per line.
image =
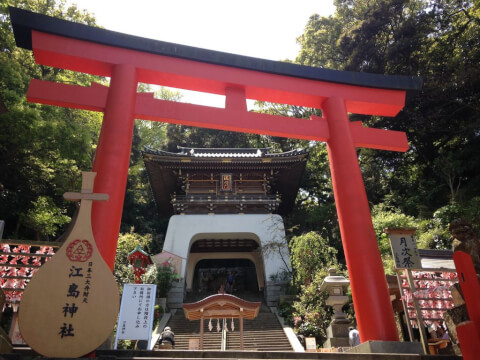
point(185, 149)
point(294, 152)
point(223, 298)
point(225, 152)
point(140, 250)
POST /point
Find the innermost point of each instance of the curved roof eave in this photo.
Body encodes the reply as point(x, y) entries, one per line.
point(24, 21)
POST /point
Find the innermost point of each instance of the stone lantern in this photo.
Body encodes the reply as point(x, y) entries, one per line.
point(337, 332)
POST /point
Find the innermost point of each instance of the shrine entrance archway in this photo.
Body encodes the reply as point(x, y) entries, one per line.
point(128, 60)
point(216, 269)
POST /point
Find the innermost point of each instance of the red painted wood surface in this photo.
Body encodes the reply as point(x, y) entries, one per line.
point(147, 108)
point(99, 59)
point(112, 159)
point(373, 308)
point(469, 331)
point(468, 337)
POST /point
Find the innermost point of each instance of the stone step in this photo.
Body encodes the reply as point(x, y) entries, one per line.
point(263, 333)
point(22, 353)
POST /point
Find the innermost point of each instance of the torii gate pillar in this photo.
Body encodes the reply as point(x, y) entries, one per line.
point(112, 158)
point(365, 268)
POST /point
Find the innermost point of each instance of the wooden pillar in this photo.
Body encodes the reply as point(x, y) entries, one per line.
point(201, 332)
point(241, 328)
point(468, 331)
point(418, 312)
point(371, 298)
point(112, 159)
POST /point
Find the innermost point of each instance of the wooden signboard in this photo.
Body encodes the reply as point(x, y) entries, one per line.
point(226, 182)
point(404, 248)
point(70, 306)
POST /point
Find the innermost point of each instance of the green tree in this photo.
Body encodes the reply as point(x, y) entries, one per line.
point(45, 218)
point(163, 275)
point(311, 257)
point(437, 41)
point(310, 253)
point(42, 148)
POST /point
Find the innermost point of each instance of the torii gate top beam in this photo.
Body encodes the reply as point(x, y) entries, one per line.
point(203, 70)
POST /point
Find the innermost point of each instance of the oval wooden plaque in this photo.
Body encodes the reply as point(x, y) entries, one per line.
point(70, 306)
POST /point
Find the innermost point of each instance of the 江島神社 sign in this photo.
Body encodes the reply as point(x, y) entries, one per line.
point(404, 248)
point(70, 305)
point(136, 313)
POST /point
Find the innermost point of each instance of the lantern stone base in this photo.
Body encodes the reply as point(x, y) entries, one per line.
point(388, 347)
point(337, 335)
point(336, 342)
point(338, 330)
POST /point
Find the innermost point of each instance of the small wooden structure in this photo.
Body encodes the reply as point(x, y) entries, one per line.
point(224, 181)
point(139, 260)
point(221, 306)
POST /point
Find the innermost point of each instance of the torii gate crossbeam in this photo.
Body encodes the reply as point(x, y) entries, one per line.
point(128, 60)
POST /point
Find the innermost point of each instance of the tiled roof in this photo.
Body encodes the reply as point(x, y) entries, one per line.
point(165, 170)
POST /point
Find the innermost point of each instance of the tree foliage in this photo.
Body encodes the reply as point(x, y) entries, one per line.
point(310, 253)
point(42, 148)
point(311, 258)
point(437, 40)
point(162, 275)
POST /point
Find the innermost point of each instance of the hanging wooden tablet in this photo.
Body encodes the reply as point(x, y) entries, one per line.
point(70, 306)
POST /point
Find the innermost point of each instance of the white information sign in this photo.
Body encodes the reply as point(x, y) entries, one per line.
point(194, 344)
point(404, 249)
point(310, 344)
point(136, 313)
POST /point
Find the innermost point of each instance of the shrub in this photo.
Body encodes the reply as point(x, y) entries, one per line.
point(162, 275)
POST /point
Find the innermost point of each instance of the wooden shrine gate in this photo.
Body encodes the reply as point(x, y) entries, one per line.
point(128, 60)
point(221, 306)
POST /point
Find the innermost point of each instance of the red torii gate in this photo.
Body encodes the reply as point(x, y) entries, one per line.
point(128, 60)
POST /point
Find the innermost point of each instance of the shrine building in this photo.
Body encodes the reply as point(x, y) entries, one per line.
point(226, 208)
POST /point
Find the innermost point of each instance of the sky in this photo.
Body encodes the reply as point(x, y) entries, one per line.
point(265, 29)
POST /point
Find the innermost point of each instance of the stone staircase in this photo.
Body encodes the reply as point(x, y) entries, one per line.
point(185, 330)
point(261, 334)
